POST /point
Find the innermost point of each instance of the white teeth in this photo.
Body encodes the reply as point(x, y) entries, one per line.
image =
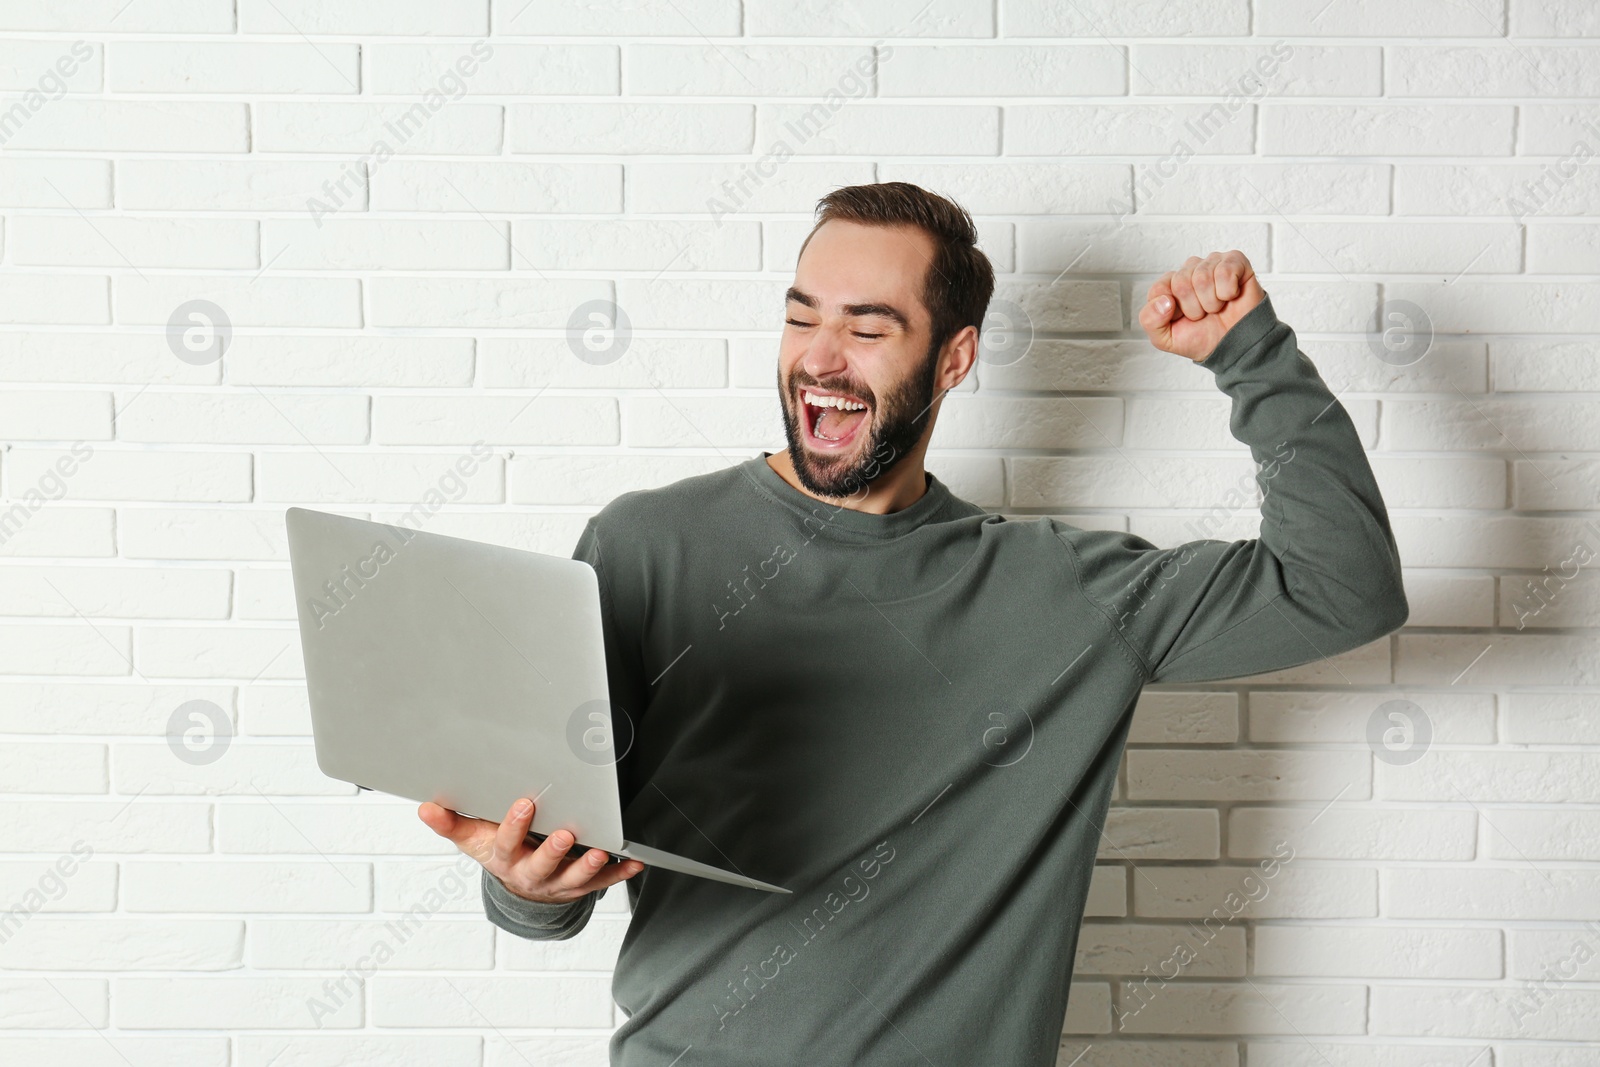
point(834, 402)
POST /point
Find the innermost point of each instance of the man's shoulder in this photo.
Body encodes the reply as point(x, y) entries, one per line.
point(689, 501)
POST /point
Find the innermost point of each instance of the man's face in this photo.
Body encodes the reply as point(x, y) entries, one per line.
point(855, 370)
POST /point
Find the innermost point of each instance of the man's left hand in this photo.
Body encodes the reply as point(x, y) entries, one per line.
point(1188, 310)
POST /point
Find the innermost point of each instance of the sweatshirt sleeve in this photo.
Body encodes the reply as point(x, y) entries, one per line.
point(557, 922)
point(1322, 578)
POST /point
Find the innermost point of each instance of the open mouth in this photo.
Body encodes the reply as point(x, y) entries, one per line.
point(832, 421)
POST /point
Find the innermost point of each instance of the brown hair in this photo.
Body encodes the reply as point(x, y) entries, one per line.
point(960, 280)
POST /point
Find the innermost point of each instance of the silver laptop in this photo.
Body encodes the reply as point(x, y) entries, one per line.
point(463, 673)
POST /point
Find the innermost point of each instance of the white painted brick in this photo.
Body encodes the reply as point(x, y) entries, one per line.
point(366, 131)
point(1278, 69)
point(1262, 188)
point(1554, 129)
point(1510, 307)
point(242, 418)
point(209, 67)
point(228, 888)
point(1492, 71)
point(57, 531)
point(446, 886)
point(1360, 834)
point(420, 943)
point(1003, 188)
point(69, 299)
point(244, 770)
point(498, 69)
point(56, 416)
point(595, 949)
point(125, 944)
point(246, 300)
point(372, 244)
point(1050, 247)
point(1297, 892)
point(722, 189)
point(55, 183)
point(1550, 189)
point(110, 125)
point(366, 1049)
point(493, 186)
point(848, 128)
point(118, 826)
point(452, 17)
point(1555, 18)
point(56, 1003)
point(1177, 718)
point(1504, 776)
point(1424, 659)
point(114, 592)
point(481, 302)
point(202, 533)
point(69, 649)
point(97, 1052)
point(232, 1003)
point(898, 18)
point(496, 1002)
point(537, 420)
point(1444, 600)
point(1384, 18)
point(1386, 129)
point(52, 767)
point(264, 594)
point(1377, 952)
point(1531, 834)
point(1118, 949)
point(113, 16)
point(347, 360)
point(1329, 718)
point(536, 362)
point(97, 708)
point(1160, 833)
point(781, 243)
point(725, 69)
point(1451, 249)
point(1102, 18)
point(1552, 955)
point(81, 241)
point(1257, 1007)
point(1552, 718)
point(1563, 249)
point(732, 304)
point(275, 710)
point(1486, 1011)
point(1488, 893)
point(1002, 70)
point(1128, 129)
point(650, 128)
point(397, 478)
point(110, 475)
point(246, 653)
point(232, 185)
point(1160, 774)
point(357, 827)
point(61, 883)
point(52, 67)
point(561, 244)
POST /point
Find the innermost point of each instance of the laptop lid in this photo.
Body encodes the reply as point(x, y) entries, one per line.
point(463, 673)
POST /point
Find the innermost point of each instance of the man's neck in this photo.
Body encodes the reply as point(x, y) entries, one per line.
point(894, 491)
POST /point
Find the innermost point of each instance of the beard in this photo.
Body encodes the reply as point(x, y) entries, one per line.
point(896, 423)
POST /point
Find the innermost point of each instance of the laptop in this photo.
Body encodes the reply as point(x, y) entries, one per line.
point(467, 674)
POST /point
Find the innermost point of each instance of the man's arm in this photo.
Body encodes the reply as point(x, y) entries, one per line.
point(1324, 575)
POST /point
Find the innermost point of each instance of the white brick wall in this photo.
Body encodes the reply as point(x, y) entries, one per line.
point(398, 203)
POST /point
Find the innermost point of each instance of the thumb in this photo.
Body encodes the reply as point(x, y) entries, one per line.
point(1156, 318)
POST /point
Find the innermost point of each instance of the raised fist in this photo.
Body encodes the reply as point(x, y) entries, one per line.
point(1187, 311)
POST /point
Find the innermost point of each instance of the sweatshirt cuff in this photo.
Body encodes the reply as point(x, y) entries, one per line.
point(1245, 335)
point(523, 912)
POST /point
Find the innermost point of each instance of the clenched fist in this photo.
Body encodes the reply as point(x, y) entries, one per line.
point(1188, 310)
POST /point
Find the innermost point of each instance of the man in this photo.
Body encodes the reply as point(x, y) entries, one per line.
point(844, 679)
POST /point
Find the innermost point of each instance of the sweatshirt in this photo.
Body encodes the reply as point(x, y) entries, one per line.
point(914, 722)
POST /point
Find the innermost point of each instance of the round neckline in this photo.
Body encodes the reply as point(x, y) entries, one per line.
point(837, 516)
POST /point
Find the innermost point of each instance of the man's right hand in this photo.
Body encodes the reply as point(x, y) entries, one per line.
point(546, 875)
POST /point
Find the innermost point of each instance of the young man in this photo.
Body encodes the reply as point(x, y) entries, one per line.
point(844, 679)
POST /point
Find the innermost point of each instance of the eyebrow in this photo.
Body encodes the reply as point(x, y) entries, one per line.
point(888, 311)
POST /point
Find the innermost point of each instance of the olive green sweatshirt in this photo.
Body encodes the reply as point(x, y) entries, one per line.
point(913, 721)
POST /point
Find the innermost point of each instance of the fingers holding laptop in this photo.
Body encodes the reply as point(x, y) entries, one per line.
point(546, 874)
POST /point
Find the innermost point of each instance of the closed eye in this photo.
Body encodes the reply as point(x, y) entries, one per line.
point(858, 333)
